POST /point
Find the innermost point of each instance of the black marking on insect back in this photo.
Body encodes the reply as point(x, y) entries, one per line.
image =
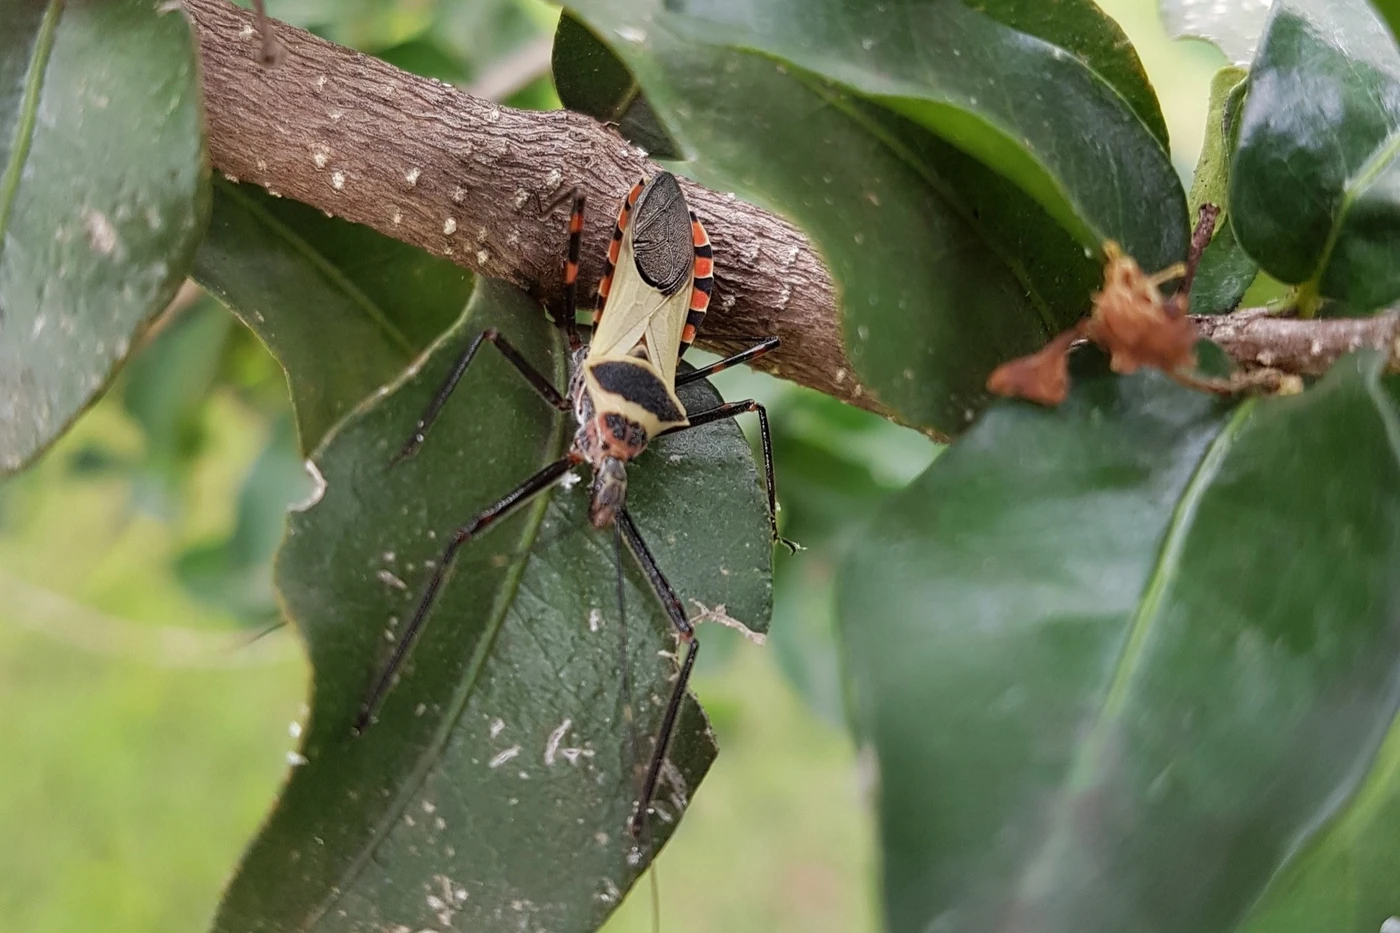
point(638, 385)
point(624, 431)
point(661, 235)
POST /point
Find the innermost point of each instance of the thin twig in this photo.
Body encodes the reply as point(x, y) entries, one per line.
point(1254, 337)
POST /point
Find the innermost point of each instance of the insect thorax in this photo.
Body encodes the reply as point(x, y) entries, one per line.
point(621, 403)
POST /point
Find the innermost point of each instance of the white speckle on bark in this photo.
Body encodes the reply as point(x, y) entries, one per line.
point(411, 176)
point(337, 180)
point(449, 226)
point(483, 256)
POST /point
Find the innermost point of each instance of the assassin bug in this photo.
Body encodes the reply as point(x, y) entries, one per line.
point(622, 391)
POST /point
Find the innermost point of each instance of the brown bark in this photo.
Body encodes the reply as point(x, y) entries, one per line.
point(1254, 337)
point(474, 181)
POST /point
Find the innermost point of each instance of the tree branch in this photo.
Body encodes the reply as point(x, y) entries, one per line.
point(471, 180)
point(1254, 337)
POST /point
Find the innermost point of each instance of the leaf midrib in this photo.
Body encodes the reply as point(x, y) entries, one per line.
point(29, 110)
point(1133, 653)
point(432, 754)
point(1380, 157)
point(338, 279)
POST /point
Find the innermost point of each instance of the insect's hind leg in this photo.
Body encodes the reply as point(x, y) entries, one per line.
point(537, 380)
point(477, 524)
point(752, 353)
point(671, 603)
point(730, 410)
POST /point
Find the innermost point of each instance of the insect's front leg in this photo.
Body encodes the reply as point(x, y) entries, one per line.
point(537, 380)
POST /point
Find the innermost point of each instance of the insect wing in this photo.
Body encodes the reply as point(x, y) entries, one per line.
point(649, 292)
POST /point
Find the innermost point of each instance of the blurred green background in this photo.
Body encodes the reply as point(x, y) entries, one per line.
point(151, 695)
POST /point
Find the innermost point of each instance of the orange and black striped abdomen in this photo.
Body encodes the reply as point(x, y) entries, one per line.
point(703, 286)
point(624, 216)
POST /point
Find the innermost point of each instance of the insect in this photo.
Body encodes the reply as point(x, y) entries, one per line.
point(622, 391)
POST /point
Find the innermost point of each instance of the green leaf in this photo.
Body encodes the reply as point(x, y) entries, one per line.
point(1211, 181)
point(1345, 878)
point(1315, 184)
point(1225, 270)
point(1118, 659)
point(952, 204)
point(1081, 28)
point(497, 782)
point(591, 79)
point(103, 197)
point(343, 308)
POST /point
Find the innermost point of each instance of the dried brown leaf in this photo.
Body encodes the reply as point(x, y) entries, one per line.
point(1041, 377)
point(1135, 323)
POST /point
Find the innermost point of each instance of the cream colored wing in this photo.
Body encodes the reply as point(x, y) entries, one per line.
point(635, 312)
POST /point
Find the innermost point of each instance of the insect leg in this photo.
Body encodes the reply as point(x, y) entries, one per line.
point(532, 375)
point(752, 353)
point(730, 410)
point(478, 523)
point(671, 603)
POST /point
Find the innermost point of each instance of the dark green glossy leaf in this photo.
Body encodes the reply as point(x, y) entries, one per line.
point(494, 790)
point(343, 308)
point(1118, 659)
point(1315, 184)
point(103, 197)
point(1345, 878)
point(591, 79)
point(1224, 275)
point(1081, 28)
point(951, 169)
